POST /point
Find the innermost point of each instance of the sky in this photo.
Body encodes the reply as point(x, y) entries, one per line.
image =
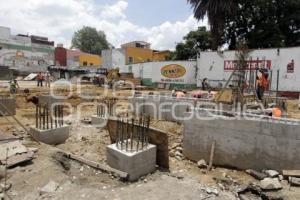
point(163, 23)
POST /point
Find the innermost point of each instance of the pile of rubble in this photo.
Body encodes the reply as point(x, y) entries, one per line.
point(12, 154)
point(271, 179)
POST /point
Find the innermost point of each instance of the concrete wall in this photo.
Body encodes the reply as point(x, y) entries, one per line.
point(162, 107)
point(245, 144)
point(211, 65)
point(152, 74)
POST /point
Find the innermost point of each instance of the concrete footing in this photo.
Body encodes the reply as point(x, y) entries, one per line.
point(99, 121)
point(136, 164)
point(51, 136)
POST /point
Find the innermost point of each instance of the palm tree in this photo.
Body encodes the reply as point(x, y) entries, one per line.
point(216, 11)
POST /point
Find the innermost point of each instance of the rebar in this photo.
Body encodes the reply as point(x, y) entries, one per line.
point(44, 118)
point(132, 136)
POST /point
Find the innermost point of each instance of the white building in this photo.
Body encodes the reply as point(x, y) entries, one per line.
point(113, 58)
point(25, 53)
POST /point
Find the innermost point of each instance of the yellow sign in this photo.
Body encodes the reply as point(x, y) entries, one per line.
point(173, 71)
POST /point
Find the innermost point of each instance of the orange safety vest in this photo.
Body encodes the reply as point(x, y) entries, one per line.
point(262, 81)
point(277, 112)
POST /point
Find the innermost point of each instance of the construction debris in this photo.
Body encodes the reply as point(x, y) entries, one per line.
point(202, 164)
point(49, 188)
point(270, 184)
point(256, 174)
point(293, 173)
point(271, 173)
point(14, 153)
point(104, 168)
point(294, 181)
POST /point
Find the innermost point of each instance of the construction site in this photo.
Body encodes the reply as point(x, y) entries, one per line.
point(216, 118)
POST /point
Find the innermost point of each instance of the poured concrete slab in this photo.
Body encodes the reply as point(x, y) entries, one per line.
point(136, 164)
point(51, 136)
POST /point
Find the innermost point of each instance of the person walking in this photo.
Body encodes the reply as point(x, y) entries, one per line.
point(40, 79)
point(48, 79)
point(14, 86)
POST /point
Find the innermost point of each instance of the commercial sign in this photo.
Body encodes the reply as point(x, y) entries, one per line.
point(173, 71)
point(230, 65)
point(291, 67)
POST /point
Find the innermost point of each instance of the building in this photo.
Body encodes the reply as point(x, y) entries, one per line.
point(161, 55)
point(76, 58)
point(25, 53)
point(137, 52)
point(113, 58)
point(132, 53)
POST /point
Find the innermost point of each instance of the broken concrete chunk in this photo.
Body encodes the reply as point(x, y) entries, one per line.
point(292, 173)
point(280, 177)
point(202, 164)
point(294, 181)
point(11, 148)
point(256, 174)
point(270, 184)
point(271, 173)
point(49, 188)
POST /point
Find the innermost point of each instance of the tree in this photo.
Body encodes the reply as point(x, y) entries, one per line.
point(90, 40)
point(216, 11)
point(264, 24)
point(194, 41)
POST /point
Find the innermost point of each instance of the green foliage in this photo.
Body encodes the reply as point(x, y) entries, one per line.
point(264, 24)
point(194, 42)
point(216, 11)
point(258, 23)
point(90, 40)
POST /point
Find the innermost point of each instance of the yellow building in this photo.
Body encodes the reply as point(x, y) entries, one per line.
point(89, 60)
point(139, 52)
point(161, 55)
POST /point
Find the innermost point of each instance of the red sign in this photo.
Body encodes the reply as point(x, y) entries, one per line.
point(230, 65)
point(290, 67)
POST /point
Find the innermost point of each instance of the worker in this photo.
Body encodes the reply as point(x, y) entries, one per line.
point(173, 93)
point(48, 79)
point(14, 86)
point(180, 94)
point(40, 79)
point(205, 84)
point(262, 84)
point(197, 94)
point(276, 112)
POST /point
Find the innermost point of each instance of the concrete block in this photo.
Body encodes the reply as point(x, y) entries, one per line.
point(51, 136)
point(9, 104)
point(136, 164)
point(99, 121)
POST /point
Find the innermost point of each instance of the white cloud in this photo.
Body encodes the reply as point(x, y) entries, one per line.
point(115, 11)
point(59, 19)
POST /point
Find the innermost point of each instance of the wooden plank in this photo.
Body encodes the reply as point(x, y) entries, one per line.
point(212, 153)
point(95, 165)
point(293, 173)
